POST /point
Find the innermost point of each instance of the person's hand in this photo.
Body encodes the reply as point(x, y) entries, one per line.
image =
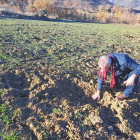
point(96, 96)
point(130, 81)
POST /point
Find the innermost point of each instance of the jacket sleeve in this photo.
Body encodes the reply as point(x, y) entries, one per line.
point(100, 84)
point(132, 65)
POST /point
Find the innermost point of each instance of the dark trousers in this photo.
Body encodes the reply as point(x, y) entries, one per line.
point(129, 89)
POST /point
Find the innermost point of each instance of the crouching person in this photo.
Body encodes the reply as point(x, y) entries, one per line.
point(123, 69)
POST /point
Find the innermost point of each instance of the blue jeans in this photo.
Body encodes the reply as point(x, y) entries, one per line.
point(129, 89)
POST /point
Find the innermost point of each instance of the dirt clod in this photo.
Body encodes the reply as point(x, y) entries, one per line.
point(95, 119)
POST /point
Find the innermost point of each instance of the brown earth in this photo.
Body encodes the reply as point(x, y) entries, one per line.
point(40, 91)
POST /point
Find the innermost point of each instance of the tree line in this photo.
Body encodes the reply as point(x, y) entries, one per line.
point(79, 10)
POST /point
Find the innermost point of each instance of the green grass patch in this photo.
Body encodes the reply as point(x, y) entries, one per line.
point(65, 45)
point(55, 111)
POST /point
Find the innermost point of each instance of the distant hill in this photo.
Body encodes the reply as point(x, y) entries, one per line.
point(96, 3)
point(86, 4)
point(134, 4)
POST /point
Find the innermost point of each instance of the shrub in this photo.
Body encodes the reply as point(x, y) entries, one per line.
point(42, 4)
point(125, 18)
point(41, 12)
point(117, 13)
point(100, 16)
point(37, 4)
point(108, 10)
point(108, 18)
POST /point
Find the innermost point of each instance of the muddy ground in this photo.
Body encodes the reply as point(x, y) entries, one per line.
point(54, 104)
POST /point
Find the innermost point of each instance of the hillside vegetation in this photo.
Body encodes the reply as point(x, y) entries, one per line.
point(82, 10)
point(48, 74)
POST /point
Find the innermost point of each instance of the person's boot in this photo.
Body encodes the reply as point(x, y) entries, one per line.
point(120, 98)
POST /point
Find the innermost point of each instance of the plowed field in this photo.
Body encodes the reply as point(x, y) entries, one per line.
point(48, 74)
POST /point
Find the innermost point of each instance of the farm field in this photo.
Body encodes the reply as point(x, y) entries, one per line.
point(48, 73)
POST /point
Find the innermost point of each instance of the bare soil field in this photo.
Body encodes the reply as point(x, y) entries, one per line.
point(40, 100)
